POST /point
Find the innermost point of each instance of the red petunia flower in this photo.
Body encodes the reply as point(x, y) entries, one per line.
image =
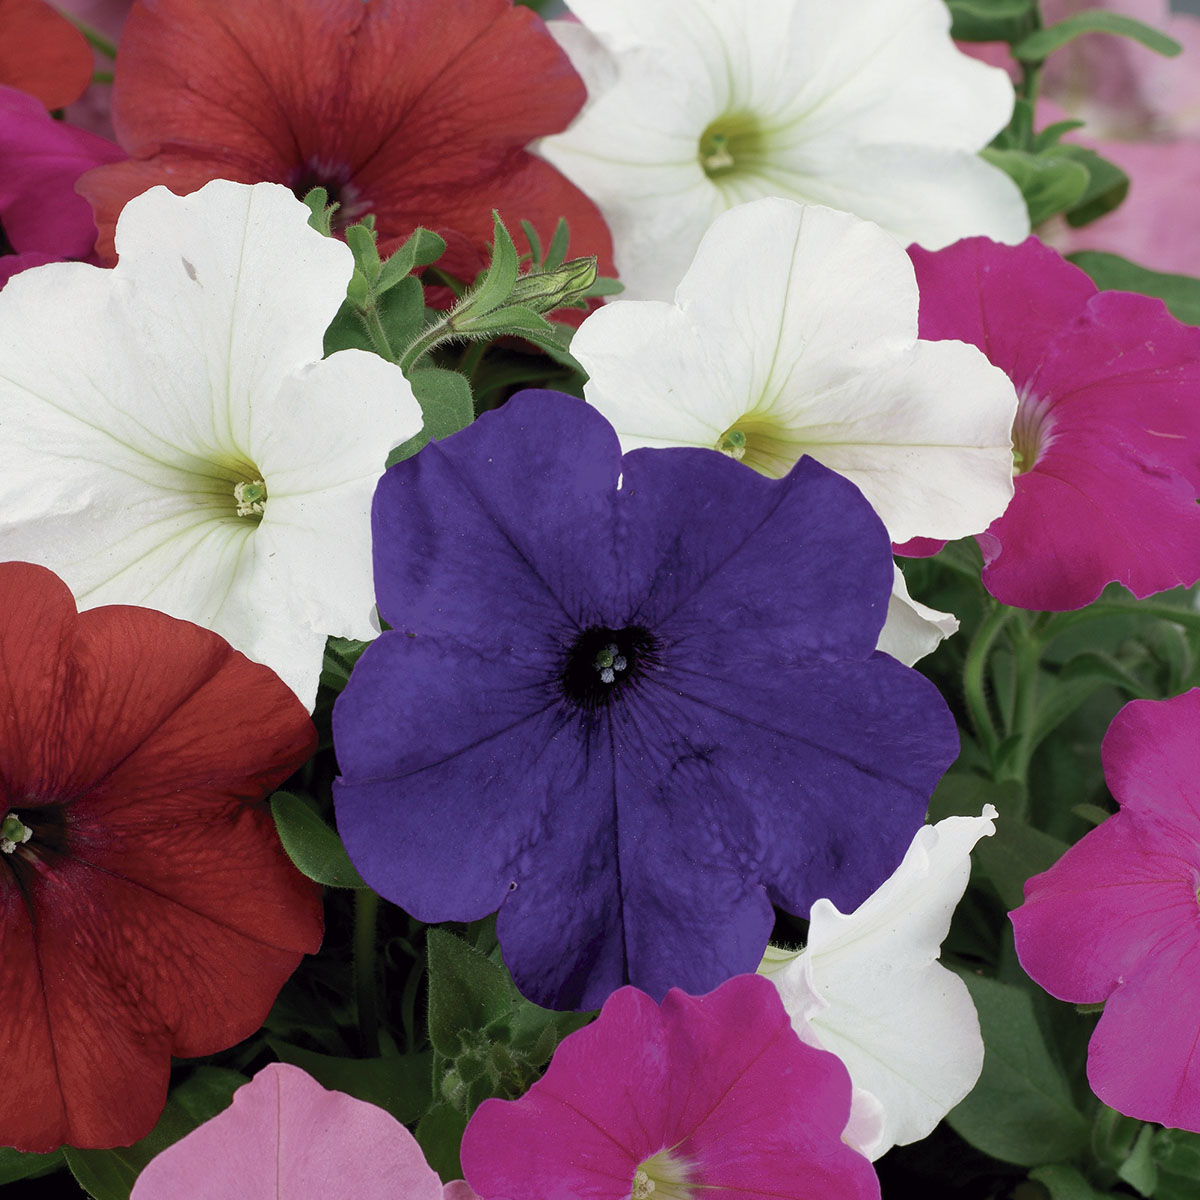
point(42, 53)
point(146, 906)
point(416, 110)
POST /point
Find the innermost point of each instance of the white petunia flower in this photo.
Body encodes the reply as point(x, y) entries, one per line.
point(697, 105)
point(868, 987)
point(794, 332)
point(172, 438)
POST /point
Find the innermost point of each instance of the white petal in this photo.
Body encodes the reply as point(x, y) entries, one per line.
point(912, 630)
point(797, 325)
point(843, 120)
point(190, 364)
point(314, 542)
point(904, 1025)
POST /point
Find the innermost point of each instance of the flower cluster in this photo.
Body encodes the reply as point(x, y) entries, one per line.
point(616, 518)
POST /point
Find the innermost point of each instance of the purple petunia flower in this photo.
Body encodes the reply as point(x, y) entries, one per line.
point(629, 702)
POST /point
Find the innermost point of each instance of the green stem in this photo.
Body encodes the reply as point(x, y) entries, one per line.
point(441, 331)
point(95, 39)
point(1027, 651)
point(366, 909)
point(973, 682)
point(1189, 618)
point(375, 331)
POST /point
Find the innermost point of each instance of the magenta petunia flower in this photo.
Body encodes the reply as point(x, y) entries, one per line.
point(146, 906)
point(711, 1095)
point(1106, 442)
point(42, 219)
point(1117, 920)
point(287, 1137)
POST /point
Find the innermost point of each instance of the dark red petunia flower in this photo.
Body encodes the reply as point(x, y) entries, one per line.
point(416, 110)
point(146, 906)
point(42, 53)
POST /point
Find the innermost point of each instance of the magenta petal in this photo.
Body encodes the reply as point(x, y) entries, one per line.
point(720, 1082)
point(1107, 433)
point(1099, 913)
point(1144, 1058)
point(1152, 759)
point(285, 1136)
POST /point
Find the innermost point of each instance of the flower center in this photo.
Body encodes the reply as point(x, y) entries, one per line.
point(1033, 431)
point(13, 833)
point(250, 498)
point(731, 142)
point(603, 662)
point(664, 1176)
point(761, 443)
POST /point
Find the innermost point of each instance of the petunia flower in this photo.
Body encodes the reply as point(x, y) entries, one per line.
point(418, 111)
point(1114, 920)
point(869, 988)
point(42, 53)
point(42, 219)
point(287, 1137)
point(185, 447)
point(1107, 434)
point(763, 356)
point(629, 702)
point(697, 105)
point(708, 1095)
point(146, 906)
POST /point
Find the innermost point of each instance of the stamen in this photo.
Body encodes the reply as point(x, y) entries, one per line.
point(251, 498)
point(643, 1185)
point(608, 662)
point(733, 443)
point(13, 833)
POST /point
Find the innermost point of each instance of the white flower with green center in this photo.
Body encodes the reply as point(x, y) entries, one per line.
point(697, 105)
point(794, 332)
point(173, 439)
point(868, 988)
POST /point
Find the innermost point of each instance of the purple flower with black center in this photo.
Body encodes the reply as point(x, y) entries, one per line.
point(629, 702)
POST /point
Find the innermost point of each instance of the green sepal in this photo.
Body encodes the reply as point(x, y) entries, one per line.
point(1050, 183)
point(990, 20)
point(398, 1083)
point(1040, 44)
point(446, 407)
point(1048, 138)
point(313, 846)
point(1181, 293)
point(1021, 1110)
point(111, 1174)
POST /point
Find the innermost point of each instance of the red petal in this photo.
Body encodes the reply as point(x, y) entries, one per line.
point(154, 911)
point(43, 53)
point(421, 108)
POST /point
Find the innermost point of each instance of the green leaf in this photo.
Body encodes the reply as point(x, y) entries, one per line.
point(1050, 137)
point(511, 319)
point(1112, 272)
point(321, 218)
point(556, 252)
point(1021, 1110)
point(346, 331)
point(421, 249)
point(1139, 1169)
point(401, 310)
point(1066, 1183)
point(497, 282)
point(14, 1165)
point(439, 1134)
point(467, 991)
point(400, 1084)
point(990, 20)
point(1051, 183)
point(1107, 185)
point(311, 844)
point(1041, 44)
point(1014, 853)
point(1178, 1151)
point(111, 1174)
point(361, 239)
point(446, 406)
